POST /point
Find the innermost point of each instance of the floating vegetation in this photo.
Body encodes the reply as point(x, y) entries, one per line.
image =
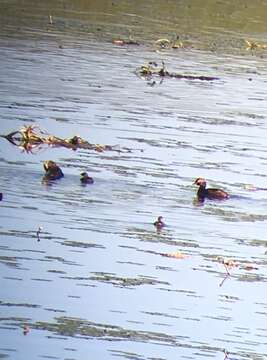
point(252, 45)
point(75, 327)
point(230, 264)
point(125, 281)
point(251, 187)
point(81, 244)
point(127, 41)
point(176, 255)
point(10, 261)
point(123, 42)
point(152, 69)
point(166, 44)
point(32, 138)
point(26, 305)
point(82, 329)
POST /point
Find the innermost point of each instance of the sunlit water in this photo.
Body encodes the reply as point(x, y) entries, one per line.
point(97, 285)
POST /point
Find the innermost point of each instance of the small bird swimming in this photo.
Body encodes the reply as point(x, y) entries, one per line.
point(86, 179)
point(26, 329)
point(52, 171)
point(1, 196)
point(159, 223)
point(210, 193)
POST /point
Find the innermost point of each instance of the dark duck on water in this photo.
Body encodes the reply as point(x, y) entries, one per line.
point(203, 193)
point(52, 171)
point(86, 179)
point(159, 223)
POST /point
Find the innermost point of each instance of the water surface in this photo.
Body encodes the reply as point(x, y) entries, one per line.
point(99, 282)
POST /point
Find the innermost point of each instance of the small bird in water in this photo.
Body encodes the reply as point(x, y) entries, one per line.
point(159, 223)
point(26, 329)
point(86, 179)
point(203, 193)
point(52, 171)
point(1, 196)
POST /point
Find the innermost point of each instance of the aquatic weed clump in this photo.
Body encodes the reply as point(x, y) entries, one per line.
point(153, 69)
point(32, 138)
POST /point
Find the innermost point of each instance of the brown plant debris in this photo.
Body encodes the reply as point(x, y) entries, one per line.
point(175, 43)
point(252, 45)
point(176, 255)
point(31, 138)
point(153, 69)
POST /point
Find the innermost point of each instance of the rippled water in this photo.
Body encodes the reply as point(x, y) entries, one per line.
point(98, 284)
